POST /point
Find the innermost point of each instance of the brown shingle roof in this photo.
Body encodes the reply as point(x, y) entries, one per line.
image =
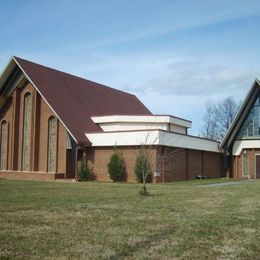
point(75, 100)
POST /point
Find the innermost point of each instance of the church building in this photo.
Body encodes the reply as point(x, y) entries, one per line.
point(241, 143)
point(49, 119)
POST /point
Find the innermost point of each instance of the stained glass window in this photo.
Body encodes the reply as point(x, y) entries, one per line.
point(245, 165)
point(27, 120)
point(4, 142)
point(52, 144)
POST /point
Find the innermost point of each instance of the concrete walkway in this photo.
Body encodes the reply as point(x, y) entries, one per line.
point(230, 183)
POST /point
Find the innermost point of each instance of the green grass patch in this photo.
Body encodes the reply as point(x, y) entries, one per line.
point(112, 221)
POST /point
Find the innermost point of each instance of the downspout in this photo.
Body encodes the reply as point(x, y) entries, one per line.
point(226, 164)
point(187, 164)
point(202, 163)
point(163, 169)
point(76, 162)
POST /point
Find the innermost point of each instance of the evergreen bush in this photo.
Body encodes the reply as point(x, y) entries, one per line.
point(84, 172)
point(116, 168)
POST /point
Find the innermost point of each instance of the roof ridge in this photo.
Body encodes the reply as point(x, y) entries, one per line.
point(72, 75)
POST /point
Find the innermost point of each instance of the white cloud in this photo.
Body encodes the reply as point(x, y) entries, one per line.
point(196, 78)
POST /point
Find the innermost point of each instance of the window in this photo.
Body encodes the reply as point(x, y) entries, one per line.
point(52, 144)
point(27, 120)
point(69, 142)
point(245, 165)
point(4, 142)
point(251, 126)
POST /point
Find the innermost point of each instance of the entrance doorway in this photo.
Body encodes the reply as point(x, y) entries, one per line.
point(257, 166)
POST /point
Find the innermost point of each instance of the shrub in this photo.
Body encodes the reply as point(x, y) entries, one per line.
point(116, 168)
point(143, 168)
point(84, 172)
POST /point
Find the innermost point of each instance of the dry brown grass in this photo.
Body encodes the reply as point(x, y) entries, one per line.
point(183, 220)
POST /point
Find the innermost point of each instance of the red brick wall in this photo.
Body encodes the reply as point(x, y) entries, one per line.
point(213, 165)
point(100, 157)
point(171, 164)
point(195, 164)
point(181, 164)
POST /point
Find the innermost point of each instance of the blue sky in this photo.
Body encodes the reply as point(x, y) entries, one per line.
point(174, 55)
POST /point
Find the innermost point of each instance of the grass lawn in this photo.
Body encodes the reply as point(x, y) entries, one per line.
point(183, 220)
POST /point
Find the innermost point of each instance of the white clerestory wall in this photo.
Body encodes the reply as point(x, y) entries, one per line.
point(148, 122)
point(147, 130)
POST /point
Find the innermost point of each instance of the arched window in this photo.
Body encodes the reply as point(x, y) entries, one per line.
point(27, 121)
point(52, 144)
point(4, 142)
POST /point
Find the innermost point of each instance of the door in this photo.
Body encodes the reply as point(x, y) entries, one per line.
point(257, 166)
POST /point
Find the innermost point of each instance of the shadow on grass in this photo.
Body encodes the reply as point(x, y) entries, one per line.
point(151, 195)
point(131, 250)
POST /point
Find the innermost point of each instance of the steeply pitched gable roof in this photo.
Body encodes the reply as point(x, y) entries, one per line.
point(241, 115)
point(75, 100)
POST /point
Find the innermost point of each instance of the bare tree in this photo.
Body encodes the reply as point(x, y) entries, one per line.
point(143, 167)
point(218, 117)
point(210, 124)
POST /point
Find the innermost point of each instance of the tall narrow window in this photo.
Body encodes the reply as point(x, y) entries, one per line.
point(4, 142)
point(52, 144)
point(245, 165)
point(27, 120)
